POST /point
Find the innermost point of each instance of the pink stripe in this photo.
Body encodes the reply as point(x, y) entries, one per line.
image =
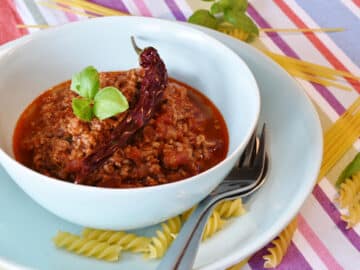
point(9, 18)
point(144, 11)
point(317, 244)
point(71, 17)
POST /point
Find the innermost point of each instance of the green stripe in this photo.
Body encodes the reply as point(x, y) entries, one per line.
point(35, 12)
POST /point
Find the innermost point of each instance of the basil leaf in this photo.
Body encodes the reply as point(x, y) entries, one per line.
point(86, 83)
point(75, 83)
point(235, 5)
point(89, 82)
point(219, 6)
point(204, 18)
point(350, 170)
point(239, 5)
point(216, 8)
point(109, 102)
point(82, 108)
point(242, 21)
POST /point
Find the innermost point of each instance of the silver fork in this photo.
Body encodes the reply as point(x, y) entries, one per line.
point(250, 172)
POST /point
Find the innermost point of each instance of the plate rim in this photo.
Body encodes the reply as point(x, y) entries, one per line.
point(293, 208)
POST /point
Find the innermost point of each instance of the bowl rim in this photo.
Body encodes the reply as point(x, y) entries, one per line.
point(136, 19)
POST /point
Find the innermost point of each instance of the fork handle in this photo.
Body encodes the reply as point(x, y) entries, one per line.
point(179, 256)
point(186, 261)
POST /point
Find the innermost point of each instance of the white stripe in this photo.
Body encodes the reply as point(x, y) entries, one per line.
point(322, 225)
point(298, 42)
point(329, 189)
point(159, 10)
point(53, 16)
point(307, 251)
point(332, 194)
point(352, 7)
point(25, 15)
point(184, 7)
point(346, 98)
point(133, 9)
point(343, 58)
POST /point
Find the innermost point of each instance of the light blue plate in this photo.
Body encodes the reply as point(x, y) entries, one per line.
point(295, 149)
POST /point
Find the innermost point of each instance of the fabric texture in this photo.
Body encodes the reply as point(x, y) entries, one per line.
point(322, 240)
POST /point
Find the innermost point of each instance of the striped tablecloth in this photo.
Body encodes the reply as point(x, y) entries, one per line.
point(321, 240)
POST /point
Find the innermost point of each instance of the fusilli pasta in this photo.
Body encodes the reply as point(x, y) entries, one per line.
point(213, 225)
point(187, 214)
point(349, 191)
point(237, 33)
point(230, 208)
point(163, 239)
point(354, 215)
point(281, 244)
point(87, 247)
point(239, 265)
point(226, 209)
point(153, 248)
point(127, 241)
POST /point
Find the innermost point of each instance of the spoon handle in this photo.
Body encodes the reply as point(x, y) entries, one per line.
point(179, 257)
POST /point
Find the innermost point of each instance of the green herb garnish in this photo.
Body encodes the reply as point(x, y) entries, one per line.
point(226, 15)
point(93, 101)
point(350, 170)
point(205, 18)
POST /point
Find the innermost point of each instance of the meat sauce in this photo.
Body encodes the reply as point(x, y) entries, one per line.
point(186, 136)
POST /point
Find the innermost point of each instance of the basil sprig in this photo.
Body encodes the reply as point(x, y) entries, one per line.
point(93, 101)
point(226, 14)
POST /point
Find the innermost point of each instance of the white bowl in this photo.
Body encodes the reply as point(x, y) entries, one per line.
point(52, 56)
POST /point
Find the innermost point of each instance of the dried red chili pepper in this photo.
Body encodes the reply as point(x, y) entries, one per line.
point(151, 91)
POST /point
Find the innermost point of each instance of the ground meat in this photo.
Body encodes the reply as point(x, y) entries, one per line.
point(186, 136)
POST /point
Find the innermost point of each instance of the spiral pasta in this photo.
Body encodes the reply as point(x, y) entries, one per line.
point(127, 241)
point(163, 239)
point(110, 241)
point(236, 33)
point(226, 209)
point(87, 247)
point(354, 215)
point(349, 191)
point(281, 244)
point(213, 225)
point(172, 226)
point(239, 265)
point(187, 214)
point(230, 208)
